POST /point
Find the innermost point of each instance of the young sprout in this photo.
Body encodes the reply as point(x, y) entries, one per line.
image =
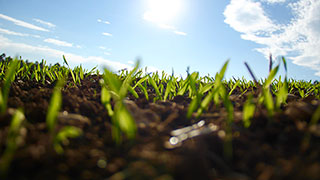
point(54, 107)
point(9, 77)
point(113, 87)
point(13, 139)
point(170, 84)
point(248, 111)
point(72, 74)
point(63, 135)
point(51, 120)
point(282, 94)
point(194, 94)
point(155, 86)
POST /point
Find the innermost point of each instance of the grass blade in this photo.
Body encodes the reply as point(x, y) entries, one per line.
point(54, 106)
point(9, 78)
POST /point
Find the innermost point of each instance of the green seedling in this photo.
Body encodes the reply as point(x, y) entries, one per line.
point(72, 74)
point(234, 86)
point(170, 84)
point(152, 81)
point(51, 120)
point(248, 111)
point(9, 78)
point(282, 94)
point(194, 94)
point(114, 88)
point(62, 137)
point(13, 140)
point(54, 107)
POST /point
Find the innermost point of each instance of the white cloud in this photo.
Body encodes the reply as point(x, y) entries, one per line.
point(101, 21)
point(274, 1)
point(180, 33)
point(22, 23)
point(298, 40)
point(107, 53)
point(102, 47)
point(106, 34)
point(49, 53)
point(247, 16)
point(130, 62)
point(50, 25)
point(8, 32)
point(58, 42)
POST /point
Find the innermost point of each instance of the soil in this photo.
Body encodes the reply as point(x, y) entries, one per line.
point(271, 148)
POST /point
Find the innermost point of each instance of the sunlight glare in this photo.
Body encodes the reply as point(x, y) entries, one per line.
point(162, 11)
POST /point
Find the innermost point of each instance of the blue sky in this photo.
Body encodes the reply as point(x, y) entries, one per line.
point(166, 34)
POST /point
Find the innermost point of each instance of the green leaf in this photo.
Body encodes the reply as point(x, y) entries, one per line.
point(271, 76)
point(183, 87)
point(168, 89)
point(192, 107)
point(54, 106)
point(127, 81)
point(205, 88)
point(133, 92)
point(9, 78)
point(282, 94)
point(105, 99)
point(234, 87)
point(144, 90)
point(140, 81)
point(63, 135)
point(248, 111)
point(285, 64)
point(126, 121)
point(223, 69)
point(268, 102)
point(65, 61)
point(112, 82)
point(154, 85)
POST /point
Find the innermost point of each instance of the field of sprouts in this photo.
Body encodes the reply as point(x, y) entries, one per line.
point(63, 123)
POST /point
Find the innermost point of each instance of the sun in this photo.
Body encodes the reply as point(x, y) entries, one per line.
point(162, 12)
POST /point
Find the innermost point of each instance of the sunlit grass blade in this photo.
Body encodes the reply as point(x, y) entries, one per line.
point(168, 88)
point(285, 64)
point(192, 107)
point(144, 90)
point(133, 92)
point(127, 81)
point(271, 76)
point(223, 69)
point(155, 86)
point(140, 81)
point(234, 87)
point(72, 74)
point(183, 88)
point(9, 78)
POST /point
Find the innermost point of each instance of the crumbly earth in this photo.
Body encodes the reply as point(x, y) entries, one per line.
point(268, 149)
